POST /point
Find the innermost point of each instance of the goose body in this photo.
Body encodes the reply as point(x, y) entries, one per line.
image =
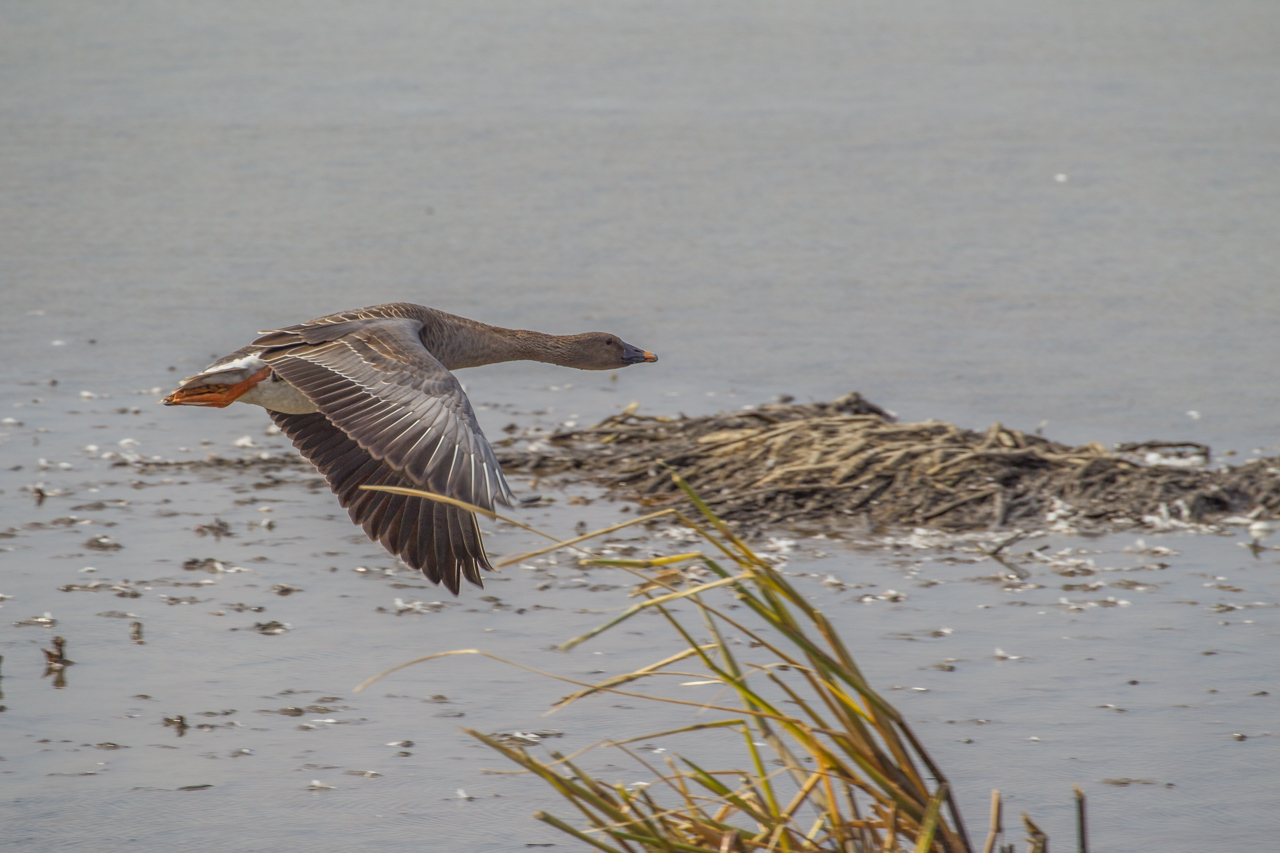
point(369, 397)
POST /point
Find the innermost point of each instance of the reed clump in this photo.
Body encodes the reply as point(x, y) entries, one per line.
point(825, 763)
point(817, 464)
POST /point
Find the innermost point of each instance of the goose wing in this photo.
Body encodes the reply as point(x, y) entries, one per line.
point(441, 541)
point(374, 380)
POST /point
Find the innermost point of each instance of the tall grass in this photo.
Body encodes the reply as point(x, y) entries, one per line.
point(825, 764)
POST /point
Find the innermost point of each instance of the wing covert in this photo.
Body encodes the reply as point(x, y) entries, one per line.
point(440, 540)
point(379, 385)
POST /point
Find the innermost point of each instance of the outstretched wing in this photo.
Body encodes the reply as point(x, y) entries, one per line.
point(441, 541)
point(391, 414)
point(376, 382)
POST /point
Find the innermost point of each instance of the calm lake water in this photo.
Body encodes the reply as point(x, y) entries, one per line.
point(1062, 216)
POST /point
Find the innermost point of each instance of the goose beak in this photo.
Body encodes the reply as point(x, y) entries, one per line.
point(635, 355)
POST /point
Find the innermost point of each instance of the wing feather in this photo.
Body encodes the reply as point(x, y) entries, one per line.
point(418, 531)
point(378, 384)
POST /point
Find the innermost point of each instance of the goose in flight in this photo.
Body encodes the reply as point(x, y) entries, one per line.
point(368, 397)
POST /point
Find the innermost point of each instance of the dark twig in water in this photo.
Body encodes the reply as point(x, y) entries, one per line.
point(56, 662)
point(1082, 822)
point(1035, 836)
point(1015, 538)
point(56, 658)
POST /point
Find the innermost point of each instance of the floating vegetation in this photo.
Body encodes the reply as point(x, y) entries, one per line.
point(45, 621)
point(178, 722)
point(218, 528)
point(824, 764)
point(209, 564)
point(809, 465)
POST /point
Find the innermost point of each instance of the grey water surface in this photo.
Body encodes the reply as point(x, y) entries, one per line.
point(1059, 215)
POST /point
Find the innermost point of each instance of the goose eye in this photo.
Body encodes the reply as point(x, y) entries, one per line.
point(608, 342)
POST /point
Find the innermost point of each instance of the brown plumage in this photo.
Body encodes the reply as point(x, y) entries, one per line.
point(368, 397)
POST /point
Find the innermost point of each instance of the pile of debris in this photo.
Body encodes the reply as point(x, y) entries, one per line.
point(811, 464)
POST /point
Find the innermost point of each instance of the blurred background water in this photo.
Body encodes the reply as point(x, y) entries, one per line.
point(1060, 215)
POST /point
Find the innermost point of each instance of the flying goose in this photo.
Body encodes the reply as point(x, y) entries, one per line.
point(368, 397)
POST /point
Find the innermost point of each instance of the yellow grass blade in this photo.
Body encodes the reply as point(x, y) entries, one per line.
point(651, 669)
point(644, 605)
point(566, 828)
point(574, 541)
point(930, 823)
point(642, 564)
